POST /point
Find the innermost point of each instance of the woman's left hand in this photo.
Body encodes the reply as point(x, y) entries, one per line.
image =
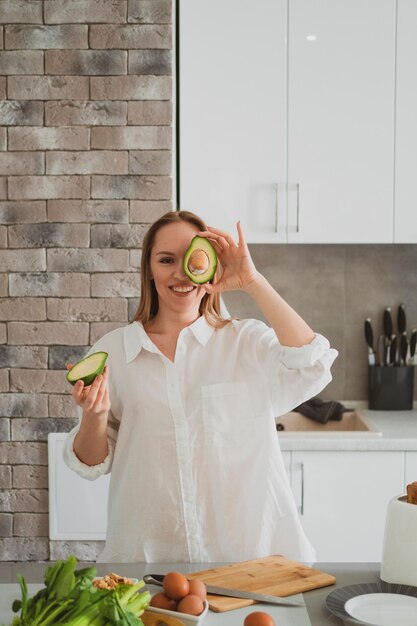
point(238, 268)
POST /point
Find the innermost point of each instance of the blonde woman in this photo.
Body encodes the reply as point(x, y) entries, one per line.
point(184, 415)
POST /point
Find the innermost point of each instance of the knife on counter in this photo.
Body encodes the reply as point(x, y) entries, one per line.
point(157, 579)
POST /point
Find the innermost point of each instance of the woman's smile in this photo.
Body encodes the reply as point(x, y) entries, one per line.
point(182, 290)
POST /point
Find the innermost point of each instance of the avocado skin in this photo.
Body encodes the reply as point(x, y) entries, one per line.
point(201, 243)
point(88, 379)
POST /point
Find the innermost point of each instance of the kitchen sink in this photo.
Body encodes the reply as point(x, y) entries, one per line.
point(353, 423)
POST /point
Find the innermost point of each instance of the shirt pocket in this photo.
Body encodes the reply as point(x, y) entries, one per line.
point(232, 413)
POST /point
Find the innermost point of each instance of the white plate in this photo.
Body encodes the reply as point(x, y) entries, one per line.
point(337, 600)
point(383, 609)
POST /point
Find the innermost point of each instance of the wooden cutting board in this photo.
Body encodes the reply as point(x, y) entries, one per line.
point(274, 575)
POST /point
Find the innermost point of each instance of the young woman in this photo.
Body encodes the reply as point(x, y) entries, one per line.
point(184, 414)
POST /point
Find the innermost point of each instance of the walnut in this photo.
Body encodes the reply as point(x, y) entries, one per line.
point(110, 581)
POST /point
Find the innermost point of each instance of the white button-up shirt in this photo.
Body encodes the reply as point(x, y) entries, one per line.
point(197, 473)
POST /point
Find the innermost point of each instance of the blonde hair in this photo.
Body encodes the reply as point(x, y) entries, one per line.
point(148, 304)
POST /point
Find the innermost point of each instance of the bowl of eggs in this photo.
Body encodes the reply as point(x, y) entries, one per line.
point(182, 600)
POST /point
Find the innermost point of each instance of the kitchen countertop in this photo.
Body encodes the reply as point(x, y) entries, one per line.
point(399, 432)
point(318, 615)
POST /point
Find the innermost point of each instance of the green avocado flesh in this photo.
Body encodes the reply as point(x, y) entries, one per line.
point(200, 261)
point(88, 369)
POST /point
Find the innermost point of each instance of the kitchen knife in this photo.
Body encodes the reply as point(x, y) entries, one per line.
point(387, 324)
point(392, 350)
point(369, 336)
point(401, 319)
point(157, 579)
point(413, 343)
point(404, 348)
point(382, 350)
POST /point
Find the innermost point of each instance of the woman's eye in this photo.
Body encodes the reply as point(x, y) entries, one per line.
point(167, 259)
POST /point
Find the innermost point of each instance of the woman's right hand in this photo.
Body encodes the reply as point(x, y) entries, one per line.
point(94, 399)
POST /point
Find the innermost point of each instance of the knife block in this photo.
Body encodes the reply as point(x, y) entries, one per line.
point(390, 388)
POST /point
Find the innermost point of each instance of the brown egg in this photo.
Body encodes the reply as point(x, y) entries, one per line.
point(191, 604)
point(175, 585)
point(161, 601)
point(197, 588)
point(259, 618)
point(198, 262)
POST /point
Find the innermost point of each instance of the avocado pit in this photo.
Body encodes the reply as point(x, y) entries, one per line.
point(198, 263)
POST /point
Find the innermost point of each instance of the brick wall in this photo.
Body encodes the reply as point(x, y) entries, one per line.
point(85, 166)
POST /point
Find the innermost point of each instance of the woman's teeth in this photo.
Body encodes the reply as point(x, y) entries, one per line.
point(182, 289)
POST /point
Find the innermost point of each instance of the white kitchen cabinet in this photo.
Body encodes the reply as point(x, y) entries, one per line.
point(232, 114)
point(410, 469)
point(341, 121)
point(405, 227)
point(69, 495)
point(286, 456)
point(287, 121)
point(343, 498)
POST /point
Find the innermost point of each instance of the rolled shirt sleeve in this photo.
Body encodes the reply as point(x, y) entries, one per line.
point(292, 374)
point(308, 355)
point(90, 472)
point(300, 372)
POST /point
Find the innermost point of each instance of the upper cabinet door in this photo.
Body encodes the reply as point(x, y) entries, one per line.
point(232, 114)
point(341, 121)
point(405, 229)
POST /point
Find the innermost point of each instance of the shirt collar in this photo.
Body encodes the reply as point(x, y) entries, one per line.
point(201, 330)
point(135, 337)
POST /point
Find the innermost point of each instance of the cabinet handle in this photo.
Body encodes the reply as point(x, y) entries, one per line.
point(298, 207)
point(302, 489)
point(276, 207)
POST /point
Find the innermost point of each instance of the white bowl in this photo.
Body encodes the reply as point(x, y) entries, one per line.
point(187, 620)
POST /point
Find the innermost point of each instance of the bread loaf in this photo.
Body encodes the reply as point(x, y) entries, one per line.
point(412, 493)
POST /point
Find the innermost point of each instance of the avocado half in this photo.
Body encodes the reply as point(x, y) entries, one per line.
point(88, 369)
point(200, 260)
